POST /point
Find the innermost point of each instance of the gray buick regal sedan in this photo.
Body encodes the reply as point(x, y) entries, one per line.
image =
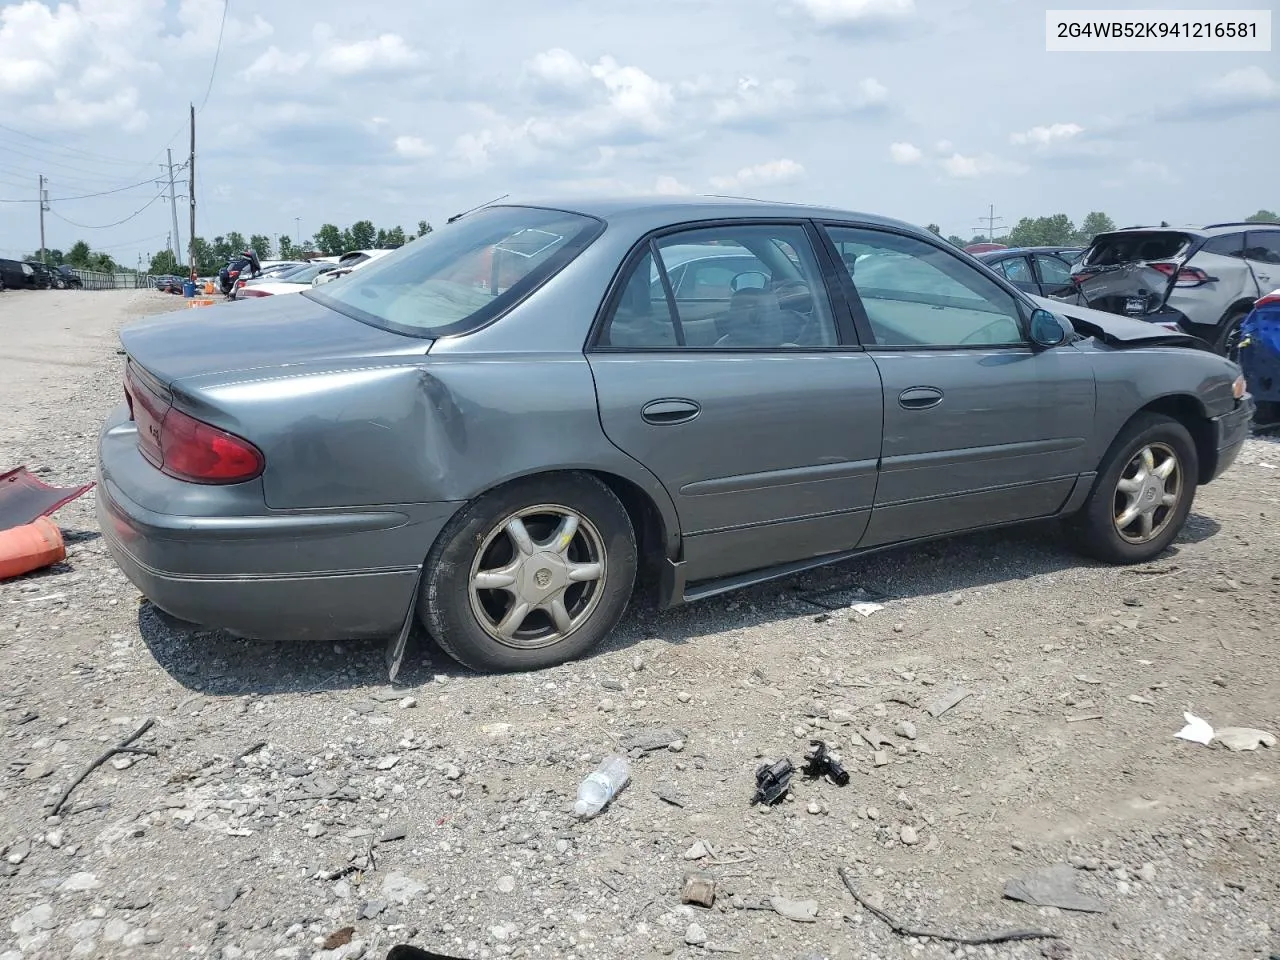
point(501, 426)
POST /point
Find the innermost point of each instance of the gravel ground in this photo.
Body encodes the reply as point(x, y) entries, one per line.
point(296, 797)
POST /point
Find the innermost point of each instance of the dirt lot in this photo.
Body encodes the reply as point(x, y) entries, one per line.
point(295, 793)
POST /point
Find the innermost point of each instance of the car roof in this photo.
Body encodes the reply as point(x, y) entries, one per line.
point(653, 212)
point(1211, 230)
point(992, 254)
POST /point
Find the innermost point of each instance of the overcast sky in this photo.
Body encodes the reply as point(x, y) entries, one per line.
point(328, 110)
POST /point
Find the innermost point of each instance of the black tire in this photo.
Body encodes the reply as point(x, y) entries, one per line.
point(1093, 531)
point(1227, 343)
point(474, 537)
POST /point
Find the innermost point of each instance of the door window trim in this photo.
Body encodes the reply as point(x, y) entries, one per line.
point(841, 312)
point(867, 335)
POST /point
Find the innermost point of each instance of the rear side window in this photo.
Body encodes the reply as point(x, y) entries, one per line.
point(1111, 249)
point(462, 276)
point(1263, 246)
point(1228, 245)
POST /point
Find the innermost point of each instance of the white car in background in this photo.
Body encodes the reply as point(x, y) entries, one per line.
point(352, 260)
point(293, 281)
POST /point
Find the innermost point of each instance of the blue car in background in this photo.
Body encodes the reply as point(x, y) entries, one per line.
point(1260, 357)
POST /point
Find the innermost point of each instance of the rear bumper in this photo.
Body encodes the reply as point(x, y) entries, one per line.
point(316, 575)
point(1231, 430)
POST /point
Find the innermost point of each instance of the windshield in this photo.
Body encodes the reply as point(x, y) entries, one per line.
point(462, 276)
point(305, 273)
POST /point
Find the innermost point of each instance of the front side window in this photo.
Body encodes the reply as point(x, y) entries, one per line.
point(1052, 270)
point(756, 286)
point(1263, 246)
point(462, 276)
point(1016, 269)
point(916, 294)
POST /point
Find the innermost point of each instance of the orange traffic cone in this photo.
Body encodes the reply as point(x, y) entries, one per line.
point(30, 547)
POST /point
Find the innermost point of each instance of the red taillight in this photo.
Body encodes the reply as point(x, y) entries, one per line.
point(1186, 276)
point(201, 453)
point(184, 447)
point(1168, 269)
point(233, 274)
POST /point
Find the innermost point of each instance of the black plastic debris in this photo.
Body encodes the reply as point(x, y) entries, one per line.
point(818, 762)
point(773, 780)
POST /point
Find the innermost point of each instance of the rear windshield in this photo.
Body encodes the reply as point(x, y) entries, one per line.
point(462, 276)
point(1111, 249)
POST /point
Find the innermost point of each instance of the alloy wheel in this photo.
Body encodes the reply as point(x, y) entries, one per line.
point(538, 576)
point(1147, 493)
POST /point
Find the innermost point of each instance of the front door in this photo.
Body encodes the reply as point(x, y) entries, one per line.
point(1053, 274)
point(979, 427)
point(741, 398)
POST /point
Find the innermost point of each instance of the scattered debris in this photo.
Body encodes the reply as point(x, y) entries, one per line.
point(801, 911)
point(866, 609)
point(773, 780)
point(946, 700)
point(649, 739)
point(25, 498)
point(694, 935)
point(1196, 730)
point(695, 852)
point(122, 747)
point(1138, 698)
point(820, 763)
point(601, 786)
point(1053, 886)
point(699, 889)
point(339, 938)
point(902, 930)
point(909, 836)
point(905, 729)
point(1244, 738)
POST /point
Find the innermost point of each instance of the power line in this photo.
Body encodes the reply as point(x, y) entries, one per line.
point(87, 226)
point(97, 157)
point(86, 196)
point(226, 5)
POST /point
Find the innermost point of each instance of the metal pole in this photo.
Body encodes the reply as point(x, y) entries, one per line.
point(42, 196)
point(297, 231)
point(173, 207)
point(192, 190)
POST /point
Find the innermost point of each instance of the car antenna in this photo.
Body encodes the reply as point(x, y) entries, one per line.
point(459, 216)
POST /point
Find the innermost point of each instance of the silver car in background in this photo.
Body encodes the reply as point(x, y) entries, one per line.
point(503, 427)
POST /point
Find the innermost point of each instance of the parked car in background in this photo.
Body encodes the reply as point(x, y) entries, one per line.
point(1043, 271)
point(18, 275)
point(1203, 279)
point(500, 457)
point(977, 248)
point(278, 268)
point(64, 278)
point(42, 274)
point(293, 281)
point(351, 261)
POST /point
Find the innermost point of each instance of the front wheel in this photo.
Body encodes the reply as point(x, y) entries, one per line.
point(530, 575)
point(1142, 494)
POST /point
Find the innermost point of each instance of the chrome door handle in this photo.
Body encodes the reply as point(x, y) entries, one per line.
point(671, 411)
point(919, 398)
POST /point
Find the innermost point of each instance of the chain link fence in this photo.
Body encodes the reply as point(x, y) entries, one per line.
point(95, 280)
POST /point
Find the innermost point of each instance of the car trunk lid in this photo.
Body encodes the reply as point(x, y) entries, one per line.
point(271, 332)
point(1131, 272)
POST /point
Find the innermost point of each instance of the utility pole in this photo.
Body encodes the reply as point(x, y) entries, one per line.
point(191, 189)
point(297, 231)
point(44, 205)
point(176, 246)
point(991, 219)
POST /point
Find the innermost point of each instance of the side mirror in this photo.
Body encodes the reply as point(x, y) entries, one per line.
point(1048, 329)
point(751, 280)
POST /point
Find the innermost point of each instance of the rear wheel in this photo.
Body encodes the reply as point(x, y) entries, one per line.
point(1142, 495)
point(531, 574)
point(1228, 341)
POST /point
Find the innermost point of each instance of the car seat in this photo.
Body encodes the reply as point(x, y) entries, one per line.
point(634, 322)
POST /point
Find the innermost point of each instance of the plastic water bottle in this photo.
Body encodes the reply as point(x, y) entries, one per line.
point(601, 786)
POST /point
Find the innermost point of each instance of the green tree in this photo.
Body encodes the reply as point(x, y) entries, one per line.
point(287, 250)
point(237, 242)
point(423, 228)
point(221, 250)
point(380, 240)
point(1264, 216)
point(261, 243)
point(51, 257)
point(329, 240)
point(102, 262)
point(79, 254)
point(1057, 230)
point(955, 241)
point(934, 229)
point(362, 235)
point(164, 263)
point(395, 237)
point(207, 261)
point(1093, 224)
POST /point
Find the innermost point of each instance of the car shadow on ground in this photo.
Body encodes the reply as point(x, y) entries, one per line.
point(215, 663)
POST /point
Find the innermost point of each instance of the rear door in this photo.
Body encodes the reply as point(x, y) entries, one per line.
point(1017, 270)
point(1216, 278)
point(755, 411)
point(1262, 252)
point(980, 427)
point(1053, 274)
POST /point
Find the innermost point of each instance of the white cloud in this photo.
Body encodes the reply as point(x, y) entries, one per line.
point(388, 51)
point(856, 12)
point(671, 187)
point(871, 92)
point(963, 167)
point(558, 70)
point(272, 62)
point(958, 165)
point(414, 148)
point(905, 153)
point(762, 174)
point(613, 186)
point(1248, 85)
point(756, 103)
point(944, 146)
point(1047, 135)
